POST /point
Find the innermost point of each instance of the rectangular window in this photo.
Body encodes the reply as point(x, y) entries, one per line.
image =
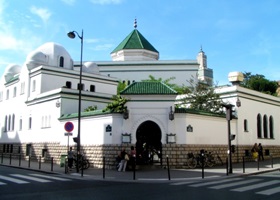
point(1, 96)
point(15, 92)
point(22, 88)
point(7, 94)
point(33, 85)
point(30, 123)
point(20, 124)
point(4, 148)
point(68, 84)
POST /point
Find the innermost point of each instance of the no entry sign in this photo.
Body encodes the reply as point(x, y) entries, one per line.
point(69, 126)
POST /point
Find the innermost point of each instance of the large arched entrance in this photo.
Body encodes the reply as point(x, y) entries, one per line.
point(148, 144)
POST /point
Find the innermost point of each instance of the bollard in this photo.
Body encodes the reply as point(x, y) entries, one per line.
point(29, 158)
point(39, 162)
point(66, 166)
point(202, 165)
point(168, 170)
point(82, 167)
point(243, 164)
point(258, 163)
point(19, 160)
point(103, 167)
point(51, 163)
point(227, 166)
point(10, 158)
point(2, 158)
point(271, 161)
point(134, 166)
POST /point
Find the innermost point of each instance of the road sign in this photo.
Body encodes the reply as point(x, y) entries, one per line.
point(68, 134)
point(69, 126)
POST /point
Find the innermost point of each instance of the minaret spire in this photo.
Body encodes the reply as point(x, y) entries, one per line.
point(135, 23)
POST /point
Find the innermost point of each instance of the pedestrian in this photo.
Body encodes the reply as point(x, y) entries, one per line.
point(70, 159)
point(118, 160)
point(255, 151)
point(132, 157)
point(124, 159)
point(260, 152)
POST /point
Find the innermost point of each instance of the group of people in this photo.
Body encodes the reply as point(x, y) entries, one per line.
point(123, 158)
point(257, 152)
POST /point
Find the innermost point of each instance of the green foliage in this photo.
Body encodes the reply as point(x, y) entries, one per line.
point(90, 108)
point(202, 97)
point(121, 86)
point(117, 105)
point(259, 83)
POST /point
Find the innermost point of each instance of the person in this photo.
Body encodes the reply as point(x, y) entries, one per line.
point(118, 160)
point(123, 163)
point(132, 157)
point(70, 159)
point(260, 152)
point(255, 151)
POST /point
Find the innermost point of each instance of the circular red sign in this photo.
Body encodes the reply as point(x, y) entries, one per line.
point(68, 126)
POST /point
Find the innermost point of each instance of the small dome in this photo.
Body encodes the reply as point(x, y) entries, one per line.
point(91, 67)
point(11, 70)
point(49, 54)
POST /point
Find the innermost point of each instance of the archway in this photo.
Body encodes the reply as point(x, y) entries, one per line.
point(148, 144)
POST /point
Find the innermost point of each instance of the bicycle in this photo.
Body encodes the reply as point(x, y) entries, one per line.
point(191, 161)
point(82, 162)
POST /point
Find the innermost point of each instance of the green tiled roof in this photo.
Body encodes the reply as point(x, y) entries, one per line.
point(141, 88)
point(135, 40)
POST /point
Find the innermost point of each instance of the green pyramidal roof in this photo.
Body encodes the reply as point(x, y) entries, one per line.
point(135, 40)
point(155, 88)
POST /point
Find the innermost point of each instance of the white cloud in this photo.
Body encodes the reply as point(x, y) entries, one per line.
point(92, 40)
point(102, 47)
point(43, 13)
point(102, 2)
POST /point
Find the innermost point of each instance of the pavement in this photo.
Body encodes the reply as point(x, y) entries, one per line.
point(150, 173)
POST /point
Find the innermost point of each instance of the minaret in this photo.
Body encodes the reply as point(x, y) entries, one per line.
point(204, 74)
point(202, 59)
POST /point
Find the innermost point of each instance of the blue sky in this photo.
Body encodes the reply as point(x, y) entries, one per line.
point(236, 35)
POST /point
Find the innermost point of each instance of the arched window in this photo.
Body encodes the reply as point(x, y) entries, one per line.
point(265, 126)
point(9, 123)
point(30, 123)
point(68, 84)
point(61, 61)
point(245, 125)
point(259, 125)
point(92, 88)
point(271, 127)
point(6, 123)
point(20, 124)
point(13, 122)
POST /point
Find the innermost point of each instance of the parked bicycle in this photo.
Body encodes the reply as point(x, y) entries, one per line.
point(204, 159)
point(82, 162)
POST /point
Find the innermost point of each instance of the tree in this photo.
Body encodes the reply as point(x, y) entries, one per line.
point(117, 105)
point(259, 83)
point(180, 89)
point(202, 97)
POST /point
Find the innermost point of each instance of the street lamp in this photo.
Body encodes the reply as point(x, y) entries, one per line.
point(72, 35)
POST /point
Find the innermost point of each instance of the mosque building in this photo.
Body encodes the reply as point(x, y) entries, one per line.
point(40, 97)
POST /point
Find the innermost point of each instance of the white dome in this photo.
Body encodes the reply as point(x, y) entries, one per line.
point(11, 70)
point(90, 67)
point(49, 54)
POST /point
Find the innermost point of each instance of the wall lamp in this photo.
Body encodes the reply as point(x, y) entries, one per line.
point(171, 114)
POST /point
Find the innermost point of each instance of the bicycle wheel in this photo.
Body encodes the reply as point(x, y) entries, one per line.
point(210, 161)
point(191, 162)
point(219, 161)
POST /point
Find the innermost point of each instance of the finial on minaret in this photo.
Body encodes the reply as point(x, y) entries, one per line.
point(201, 48)
point(135, 23)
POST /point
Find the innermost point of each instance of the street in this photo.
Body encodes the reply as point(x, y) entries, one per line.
point(27, 184)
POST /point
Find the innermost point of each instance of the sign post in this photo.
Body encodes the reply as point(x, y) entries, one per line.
point(69, 127)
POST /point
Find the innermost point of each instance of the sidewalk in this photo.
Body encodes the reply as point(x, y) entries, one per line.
point(146, 174)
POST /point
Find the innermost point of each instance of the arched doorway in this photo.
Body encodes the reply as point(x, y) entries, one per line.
point(148, 144)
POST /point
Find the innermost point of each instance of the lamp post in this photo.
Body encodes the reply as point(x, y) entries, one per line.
point(72, 35)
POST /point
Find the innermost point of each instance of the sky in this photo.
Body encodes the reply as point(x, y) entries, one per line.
point(236, 35)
